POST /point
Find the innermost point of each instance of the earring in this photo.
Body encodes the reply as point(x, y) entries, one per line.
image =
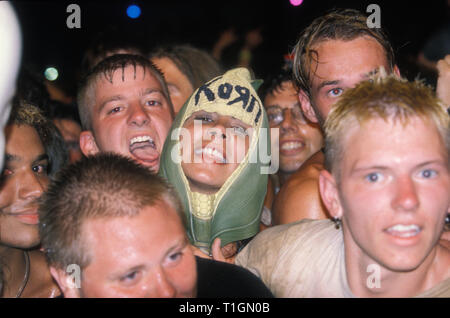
point(337, 222)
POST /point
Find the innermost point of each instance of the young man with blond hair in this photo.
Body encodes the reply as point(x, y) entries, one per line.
point(387, 187)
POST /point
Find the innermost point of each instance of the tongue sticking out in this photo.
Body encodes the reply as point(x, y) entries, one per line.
point(144, 151)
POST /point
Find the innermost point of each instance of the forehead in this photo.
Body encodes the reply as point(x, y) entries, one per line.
point(282, 96)
point(153, 230)
point(392, 144)
point(126, 77)
point(23, 139)
point(338, 58)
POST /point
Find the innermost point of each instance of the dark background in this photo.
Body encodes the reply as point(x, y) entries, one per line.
point(47, 41)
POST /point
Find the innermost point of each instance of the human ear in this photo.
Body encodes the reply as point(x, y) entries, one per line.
point(88, 145)
point(396, 71)
point(329, 193)
point(307, 109)
point(65, 283)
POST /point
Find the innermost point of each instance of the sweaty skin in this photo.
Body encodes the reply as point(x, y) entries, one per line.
point(303, 184)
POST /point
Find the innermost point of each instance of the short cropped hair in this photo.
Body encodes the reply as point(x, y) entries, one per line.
point(24, 113)
point(389, 98)
point(101, 186)
point(339, 24)
point(197, 65)
point(106, 68)
point(274, 83)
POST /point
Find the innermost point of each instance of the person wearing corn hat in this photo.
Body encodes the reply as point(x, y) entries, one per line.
point(216, 156)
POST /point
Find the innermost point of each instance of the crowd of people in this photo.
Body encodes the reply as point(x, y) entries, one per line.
point(176, 176)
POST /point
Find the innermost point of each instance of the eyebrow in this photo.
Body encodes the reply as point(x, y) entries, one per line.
point(111, 99)
point(327, 83)
point(15, 158)
point(434, 161)
point(151, 91)
point(41, 157)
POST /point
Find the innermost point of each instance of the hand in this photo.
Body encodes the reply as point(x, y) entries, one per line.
point(225, 254)
point(443, 82)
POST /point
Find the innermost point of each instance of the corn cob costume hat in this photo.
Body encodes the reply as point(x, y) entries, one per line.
point(232, 213)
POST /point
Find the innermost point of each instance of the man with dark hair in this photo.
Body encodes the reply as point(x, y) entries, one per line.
point(9, 64)
point(31, 156)
point(297, 138)
point(122, 226)
point(125, 108)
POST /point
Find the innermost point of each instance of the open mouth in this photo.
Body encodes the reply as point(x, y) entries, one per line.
point(210, 155)
point(404, 231)
point(144, 149)
point(290, 147)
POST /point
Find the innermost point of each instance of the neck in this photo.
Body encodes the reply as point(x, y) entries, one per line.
point(13, 267)
point(284, 176)
point(367, 278)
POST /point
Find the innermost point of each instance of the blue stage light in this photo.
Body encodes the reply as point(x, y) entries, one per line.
point(133, 11)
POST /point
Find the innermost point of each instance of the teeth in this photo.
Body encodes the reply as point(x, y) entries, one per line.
point(211, 153)
point(404, 230)
point(291, 145)
point(140, 139)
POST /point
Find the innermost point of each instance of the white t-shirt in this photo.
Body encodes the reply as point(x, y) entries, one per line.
point(305, 259)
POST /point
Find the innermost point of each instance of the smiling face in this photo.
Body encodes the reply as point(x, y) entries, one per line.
point(394, 192)
point(298, 139)
point(216, 147)
point(180, 88)
point(147, 255)
point(341, 65)
point(130, 116)
point(24, 179)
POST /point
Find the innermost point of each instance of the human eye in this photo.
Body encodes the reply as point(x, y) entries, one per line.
point(204, 118)
point(114, 110)
point(130, 278)
point(174, 258)
point(40, 168)
point(335, 92)
point(275, 115)
point(152, 102)
point(374, 177)
point(275, 118)
point(240, 131)
point(428, 173)
point(297, 114)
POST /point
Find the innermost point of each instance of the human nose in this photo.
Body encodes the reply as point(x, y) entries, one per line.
point(217, 130)
point(288, 121)
point(160, 285)
point(138, 116)
point(31, 186)
point(406, 198)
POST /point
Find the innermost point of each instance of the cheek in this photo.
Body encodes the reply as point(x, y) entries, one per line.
point(185, 277)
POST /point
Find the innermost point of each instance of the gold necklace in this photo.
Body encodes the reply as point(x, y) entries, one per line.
point(27, 274)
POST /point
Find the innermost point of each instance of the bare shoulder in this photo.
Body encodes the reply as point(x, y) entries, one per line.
point(299, 197)
point(41, 283)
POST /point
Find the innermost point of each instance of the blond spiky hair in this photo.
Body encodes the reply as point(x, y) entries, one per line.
point(389, 98)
